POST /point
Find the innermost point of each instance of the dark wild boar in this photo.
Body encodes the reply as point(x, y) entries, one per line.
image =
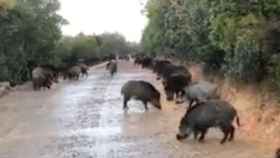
point(43, 78)
point(174, 86)
point(141, 90)
point(112, 67)
point(212, 113)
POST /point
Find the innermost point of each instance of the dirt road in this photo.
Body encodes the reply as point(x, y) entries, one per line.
point(84, 119)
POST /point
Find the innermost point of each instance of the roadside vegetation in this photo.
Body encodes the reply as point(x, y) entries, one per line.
point(30, 35)
point(238, 39)
point(241, 39)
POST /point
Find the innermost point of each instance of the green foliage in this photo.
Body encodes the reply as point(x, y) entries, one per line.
point(243, 31)
point(276, 69)
point(236, 36)
point(180, 26)
point(30, 35)
point(90, 47)
point(29, 31)
point(113, 43)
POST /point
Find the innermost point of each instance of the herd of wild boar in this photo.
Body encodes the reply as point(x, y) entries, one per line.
point(205, 110)
point(44, 76)
point(205, 107)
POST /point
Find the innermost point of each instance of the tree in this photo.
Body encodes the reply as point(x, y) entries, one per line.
point(29, 32)
point(236, 36)
point(243, 30)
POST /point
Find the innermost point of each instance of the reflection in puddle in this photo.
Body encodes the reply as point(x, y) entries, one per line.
point(95, 132)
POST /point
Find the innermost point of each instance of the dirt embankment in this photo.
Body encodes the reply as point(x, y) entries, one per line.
point(258, 107)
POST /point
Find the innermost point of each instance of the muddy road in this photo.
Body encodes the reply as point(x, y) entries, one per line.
point(84, 119)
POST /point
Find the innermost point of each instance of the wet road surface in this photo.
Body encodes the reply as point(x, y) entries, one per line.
point(84, 119)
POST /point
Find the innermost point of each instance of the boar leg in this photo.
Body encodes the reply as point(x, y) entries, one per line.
point(203, 132)
point(125, 102)
point(145, 105)
point(232, 131)
point(226, 131)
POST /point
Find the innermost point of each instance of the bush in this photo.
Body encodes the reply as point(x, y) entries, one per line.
point(243, 63)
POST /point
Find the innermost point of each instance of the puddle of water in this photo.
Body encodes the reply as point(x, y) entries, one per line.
point(96, 132)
